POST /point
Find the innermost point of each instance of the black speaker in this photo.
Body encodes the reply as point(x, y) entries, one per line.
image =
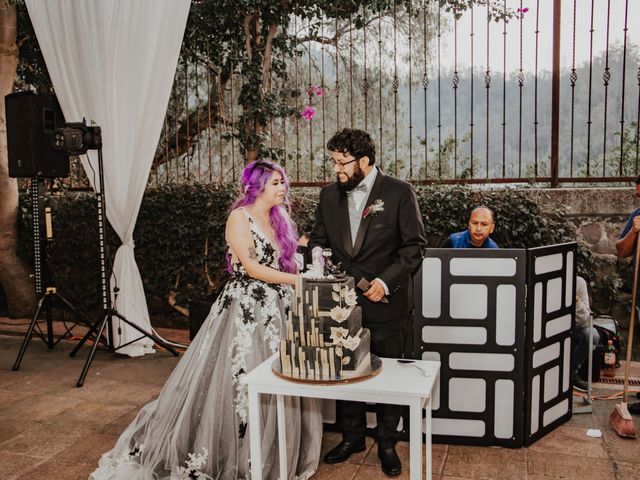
point(31, 120)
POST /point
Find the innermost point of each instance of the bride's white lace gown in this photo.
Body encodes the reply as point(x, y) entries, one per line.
point(197, 428)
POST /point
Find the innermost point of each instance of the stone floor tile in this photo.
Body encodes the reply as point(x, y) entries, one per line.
point(41, 441)
point(622, 449)
point(9, 397)
point(88, 449)
point(370, 472)
point(36, 382)
point(627, 471)
point(483, 462)
point(104, 390)
point(13, 466)
point(90, 414)
point(570, 440)
point(117, 426)
point(338, 471)
point(150, 369)
point(39, 408)
point(14, 428)
point(543, 465)
point(438, 456)
point(59, 471)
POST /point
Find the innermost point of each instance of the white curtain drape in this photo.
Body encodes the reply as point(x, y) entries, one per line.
point(113, 62)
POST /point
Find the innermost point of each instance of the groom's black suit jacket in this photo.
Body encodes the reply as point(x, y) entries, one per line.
point(389, 245)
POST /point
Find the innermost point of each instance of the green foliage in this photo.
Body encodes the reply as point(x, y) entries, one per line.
point(519, 221)
point(171, 250)
point(177, 221)
point(255, 37)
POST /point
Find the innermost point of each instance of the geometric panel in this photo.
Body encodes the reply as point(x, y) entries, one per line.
point(468, 301)
point(467, 394)
point(470, 311)
point(551, 293)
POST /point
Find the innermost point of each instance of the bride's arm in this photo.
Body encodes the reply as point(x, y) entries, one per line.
point(238, 234)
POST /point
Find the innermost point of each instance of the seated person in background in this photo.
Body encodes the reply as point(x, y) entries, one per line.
point(481, 225)
point(580, 337)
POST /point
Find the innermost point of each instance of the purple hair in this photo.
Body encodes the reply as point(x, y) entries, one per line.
point(255, 177)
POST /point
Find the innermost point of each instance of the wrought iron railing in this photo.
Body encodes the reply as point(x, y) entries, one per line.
point(447, 98)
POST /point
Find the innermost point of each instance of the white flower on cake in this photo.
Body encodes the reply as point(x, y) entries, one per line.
point(345, 294)
point(339, 314)
point(346, 360)
point(336, 287)
point(337, 334)
point(351, 343)
point(350, 297)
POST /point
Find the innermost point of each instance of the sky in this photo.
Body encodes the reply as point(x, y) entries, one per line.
point(542, 11)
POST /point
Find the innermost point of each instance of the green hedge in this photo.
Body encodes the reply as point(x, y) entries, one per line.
point(176, 221)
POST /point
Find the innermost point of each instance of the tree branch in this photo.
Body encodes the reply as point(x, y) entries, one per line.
point(266, 60)
point(247, 33)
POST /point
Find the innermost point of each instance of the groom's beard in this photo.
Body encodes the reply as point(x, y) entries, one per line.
point(351, 182)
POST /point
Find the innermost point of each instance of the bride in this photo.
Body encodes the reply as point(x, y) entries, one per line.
point(197, 428)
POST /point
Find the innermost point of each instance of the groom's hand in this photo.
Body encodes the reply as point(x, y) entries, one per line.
point(375, 292)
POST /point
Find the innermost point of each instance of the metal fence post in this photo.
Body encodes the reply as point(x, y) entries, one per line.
point(555, 93)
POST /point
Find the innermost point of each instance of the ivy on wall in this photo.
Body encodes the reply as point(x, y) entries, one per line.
point(180, 245)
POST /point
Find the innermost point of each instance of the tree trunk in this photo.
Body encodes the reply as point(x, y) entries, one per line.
point(14, 275)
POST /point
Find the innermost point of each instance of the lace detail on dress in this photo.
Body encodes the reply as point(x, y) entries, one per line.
point(193, 467)
point(255, 295)
point(203, 407)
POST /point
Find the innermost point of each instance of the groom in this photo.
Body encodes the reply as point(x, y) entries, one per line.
point(372, 224)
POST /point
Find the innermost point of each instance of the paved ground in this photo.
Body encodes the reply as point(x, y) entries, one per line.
point(49, 429)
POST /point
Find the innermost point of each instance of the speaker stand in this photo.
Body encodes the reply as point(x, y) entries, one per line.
point(106, 321)
point(42, 276)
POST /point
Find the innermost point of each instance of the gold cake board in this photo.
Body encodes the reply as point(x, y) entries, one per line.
point(374, 368)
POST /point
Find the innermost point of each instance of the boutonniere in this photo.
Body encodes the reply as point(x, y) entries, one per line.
point(373, 209)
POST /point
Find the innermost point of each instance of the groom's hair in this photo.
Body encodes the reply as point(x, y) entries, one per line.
point(354, 142)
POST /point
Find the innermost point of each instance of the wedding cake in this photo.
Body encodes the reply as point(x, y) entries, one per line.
point(325, 339)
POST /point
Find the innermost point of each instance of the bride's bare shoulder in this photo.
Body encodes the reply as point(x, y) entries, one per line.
point(237, 221)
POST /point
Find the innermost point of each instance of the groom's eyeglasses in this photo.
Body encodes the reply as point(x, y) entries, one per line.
point(341, 164)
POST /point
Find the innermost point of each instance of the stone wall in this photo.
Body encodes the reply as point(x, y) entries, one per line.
point(598, 215)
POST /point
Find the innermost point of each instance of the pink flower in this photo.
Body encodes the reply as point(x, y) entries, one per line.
point(318, 90)
point(522, 11)
point(308, 113)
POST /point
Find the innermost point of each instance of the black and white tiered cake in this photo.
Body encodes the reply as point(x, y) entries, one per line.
point(325, 338)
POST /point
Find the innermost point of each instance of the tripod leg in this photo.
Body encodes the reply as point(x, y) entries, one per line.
point(47, 309)
point(87, 364)
point(73, 309)
point(27, 336)
point(87, 336)
point(147, 334)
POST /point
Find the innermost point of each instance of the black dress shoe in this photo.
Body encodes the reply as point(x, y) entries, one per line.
point(390, 462)
point(343, 451)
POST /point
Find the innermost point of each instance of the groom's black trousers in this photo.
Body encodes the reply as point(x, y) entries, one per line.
point(385, 342)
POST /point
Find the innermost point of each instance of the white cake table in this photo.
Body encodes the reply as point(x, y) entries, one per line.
point(408, 384)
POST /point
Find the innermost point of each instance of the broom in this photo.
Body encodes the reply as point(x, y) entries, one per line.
point(620, 419)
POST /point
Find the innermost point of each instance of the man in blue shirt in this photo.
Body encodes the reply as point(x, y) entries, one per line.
point(481, 225)
point(625, 246)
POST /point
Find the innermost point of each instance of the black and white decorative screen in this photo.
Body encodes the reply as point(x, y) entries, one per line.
point(551, 306)
point(469, 315)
